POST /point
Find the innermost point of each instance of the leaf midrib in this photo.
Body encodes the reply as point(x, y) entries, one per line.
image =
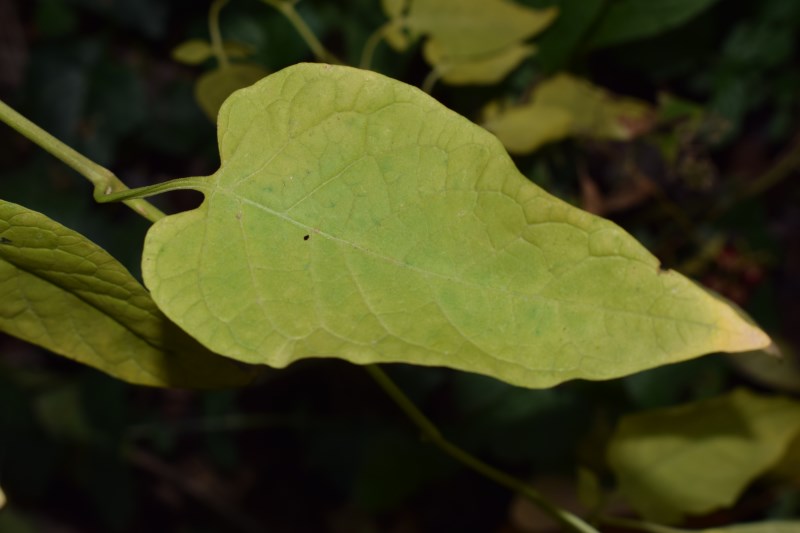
point(462, 282)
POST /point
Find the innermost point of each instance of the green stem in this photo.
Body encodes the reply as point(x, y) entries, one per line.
point(430, 80)
point(104, 181)
point(216, 34)
point(178, 184)
point(371, 44)
point(570, 521)
point(288, 11)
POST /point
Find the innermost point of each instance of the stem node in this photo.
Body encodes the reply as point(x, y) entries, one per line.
point(102, 178)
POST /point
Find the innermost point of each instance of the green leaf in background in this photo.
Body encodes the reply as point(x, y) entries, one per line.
point(60, 413)
point(62, 292)
point(562, 106)
point(696, 458)
point(196, 51)
point(590, 491)
point(193, 52)
point(630, 20)
point(355, 217)
point(394, 9)
point(470, 41)
point(215, 86)
point(395, 31)
point(788, 468)
point(55, 18)
point(13, 521)
point(561, 40)
point(489, 69)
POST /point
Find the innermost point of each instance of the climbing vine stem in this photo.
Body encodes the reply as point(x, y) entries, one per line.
point(570, 521)
point(104, 181)
point(371, 44)
point(286, 7)
point(216, 35)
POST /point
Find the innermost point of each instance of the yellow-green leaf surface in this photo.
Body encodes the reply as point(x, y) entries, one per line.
point(395, 31)
point(215, 86)
point(60, 291)
point(192, 52)
point(394, 8)
point(562, 106)
point(471, 41)
point(355, 217)
point(487, 69)
point(699, 457)
point(788, 468)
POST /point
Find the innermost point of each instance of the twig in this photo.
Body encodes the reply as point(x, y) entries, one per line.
point(570, 521)
point(104, 181)
point(371, 44)
point(430, 80)
point(216, 35)
point(287, 9)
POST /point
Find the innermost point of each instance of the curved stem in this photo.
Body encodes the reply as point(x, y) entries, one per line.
point(371, 44)
point(570, 521)
point(178, 184)
point(430, 80)
point(104, 181)
point(288, 11)
point(216, 34)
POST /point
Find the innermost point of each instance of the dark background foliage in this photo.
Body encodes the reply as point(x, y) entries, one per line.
point(318, 447)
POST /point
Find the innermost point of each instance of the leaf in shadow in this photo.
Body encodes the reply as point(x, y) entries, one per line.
point(62, 292)
point(695, 458)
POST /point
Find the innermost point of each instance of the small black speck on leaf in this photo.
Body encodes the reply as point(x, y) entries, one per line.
point(306, 237)
point(3, 240)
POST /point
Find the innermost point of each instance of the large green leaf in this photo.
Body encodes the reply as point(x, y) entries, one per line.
point(354, 216)
point(63, 292)
point(629, 20)
point(470, 41)
point(696, 458)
